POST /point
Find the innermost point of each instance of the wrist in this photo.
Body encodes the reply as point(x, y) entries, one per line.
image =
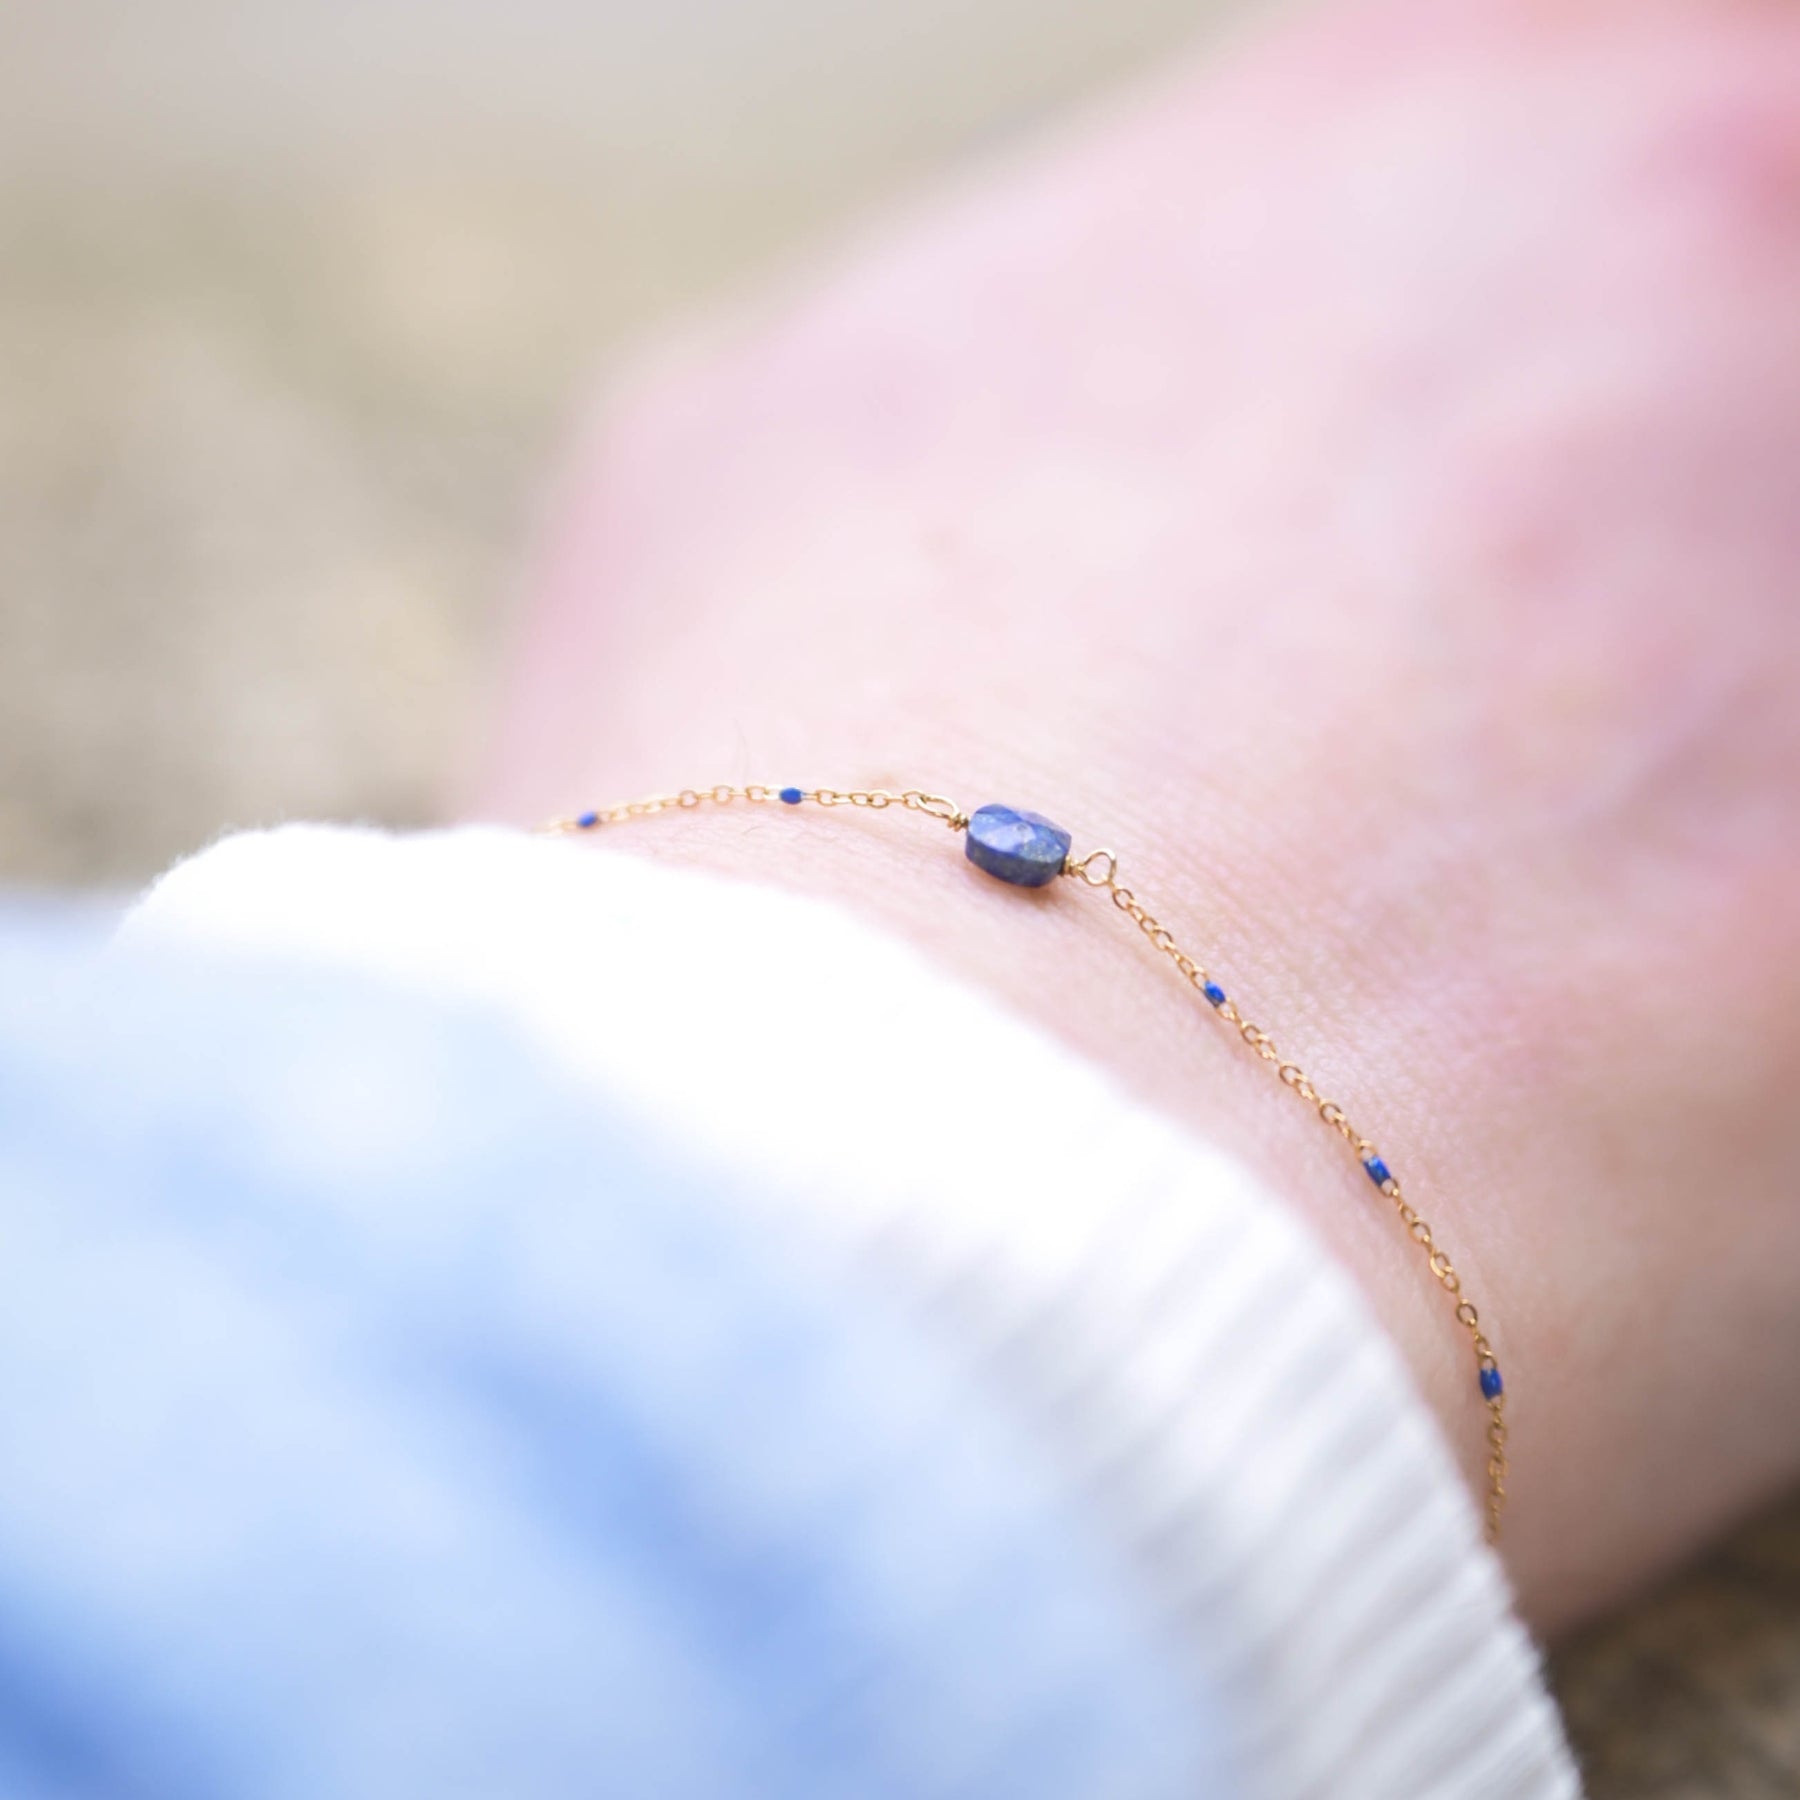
point(1076, 966)
point(1364, 632)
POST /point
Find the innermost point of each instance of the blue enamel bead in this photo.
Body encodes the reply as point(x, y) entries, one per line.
point(793, 796)
point(1492, 1387)
point(1214, 993)
point(1017, 846)
point(588, 821)
point(1379, 1172)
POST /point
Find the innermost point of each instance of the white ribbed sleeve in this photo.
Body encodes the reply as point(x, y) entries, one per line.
point(1226, 1401)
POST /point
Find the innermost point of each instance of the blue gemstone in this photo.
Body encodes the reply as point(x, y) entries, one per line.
point(793, 796)
point(1379, 1172)
point(1492, 1387)
point(1214, 993)
point(588, 821)
point(1017, 846)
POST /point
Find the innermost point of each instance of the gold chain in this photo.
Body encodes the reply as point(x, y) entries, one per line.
point(1100, 869)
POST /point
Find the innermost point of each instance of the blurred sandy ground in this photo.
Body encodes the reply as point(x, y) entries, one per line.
point(296, 301)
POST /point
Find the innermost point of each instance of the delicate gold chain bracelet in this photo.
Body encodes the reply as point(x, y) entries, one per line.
point(1027, 850)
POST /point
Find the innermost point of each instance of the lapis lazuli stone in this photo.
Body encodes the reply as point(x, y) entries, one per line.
point(1214, 993)
point(1017, 846)
point(793, 796)
point(1492, 1387)
point(588, 821)
point(1379, 1172)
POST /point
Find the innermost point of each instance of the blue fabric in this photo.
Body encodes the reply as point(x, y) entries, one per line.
point(379, 1419)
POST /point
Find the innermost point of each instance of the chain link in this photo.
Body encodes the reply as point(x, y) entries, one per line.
point(757, 792)
point(1100, 869)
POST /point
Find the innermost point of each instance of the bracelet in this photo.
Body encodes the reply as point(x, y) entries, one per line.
point(1025, 849)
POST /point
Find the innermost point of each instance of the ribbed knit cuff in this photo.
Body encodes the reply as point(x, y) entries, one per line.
point(1235, 1415)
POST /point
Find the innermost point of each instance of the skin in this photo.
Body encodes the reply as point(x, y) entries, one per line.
point(1359, 481)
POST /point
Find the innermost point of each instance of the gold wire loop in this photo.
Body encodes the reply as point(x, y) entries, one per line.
point(934, 804)
point(1099, 868)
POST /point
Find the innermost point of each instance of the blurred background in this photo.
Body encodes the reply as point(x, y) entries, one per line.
point(298, 304)
point(299, 301)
